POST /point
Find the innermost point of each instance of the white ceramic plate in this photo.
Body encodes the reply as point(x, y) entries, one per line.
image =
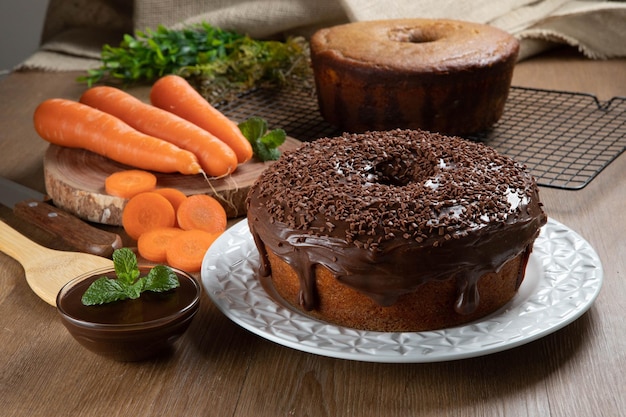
point(563, 278)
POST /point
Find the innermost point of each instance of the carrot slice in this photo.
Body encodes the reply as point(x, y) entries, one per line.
point(215, 156)
point(76, 125)
point(201, 212)
point(130, 182)
point(174, 94)
point(145, 212)
point(186, 250)
point(173, 195)
point(152, 245)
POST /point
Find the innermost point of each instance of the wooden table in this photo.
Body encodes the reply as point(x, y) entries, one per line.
point(220, 369)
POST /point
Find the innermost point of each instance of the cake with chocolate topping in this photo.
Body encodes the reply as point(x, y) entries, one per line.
point(401, 230)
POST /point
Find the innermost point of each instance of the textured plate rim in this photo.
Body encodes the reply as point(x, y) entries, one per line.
point(564, 277)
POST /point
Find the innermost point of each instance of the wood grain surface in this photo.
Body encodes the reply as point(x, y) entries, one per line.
point(75, 181)
point(221, 369)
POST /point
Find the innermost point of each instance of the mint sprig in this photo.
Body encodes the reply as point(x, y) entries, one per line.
point(129, 284)
point(264, 144)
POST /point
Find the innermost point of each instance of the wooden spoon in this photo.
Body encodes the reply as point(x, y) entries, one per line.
point(47, 270)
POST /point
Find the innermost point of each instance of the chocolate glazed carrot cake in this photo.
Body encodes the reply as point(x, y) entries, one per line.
point(402, 230)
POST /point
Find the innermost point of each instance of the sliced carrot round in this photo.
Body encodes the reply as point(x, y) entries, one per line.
point(201, 212)
point(174, 195)
point(153, 244)
point(145, 212)
point(130, 182)
point(187, 249)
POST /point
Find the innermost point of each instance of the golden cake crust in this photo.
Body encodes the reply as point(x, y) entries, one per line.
point(430, 307)
point(440, 75)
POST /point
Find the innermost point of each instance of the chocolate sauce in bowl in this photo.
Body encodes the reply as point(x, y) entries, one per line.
point(149, 307)
point(129, 330)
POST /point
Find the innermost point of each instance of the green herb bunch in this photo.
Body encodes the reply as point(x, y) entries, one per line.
point(218, 62)
point(264, 144)
point(129, 284)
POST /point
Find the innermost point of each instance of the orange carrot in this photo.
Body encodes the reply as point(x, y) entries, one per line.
point(152, 245)
point(201, 212)
point(145, 212)
point(173, 195)
point(174, 94)
point(76, 125)
point(216, 158)
point(186, 250)
point(130, 182)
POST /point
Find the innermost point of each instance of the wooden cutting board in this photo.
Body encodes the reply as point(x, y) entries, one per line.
point(74, 180)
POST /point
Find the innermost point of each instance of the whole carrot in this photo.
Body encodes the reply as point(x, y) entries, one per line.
point(174, 94)
point(216, 157)
point(76, 125)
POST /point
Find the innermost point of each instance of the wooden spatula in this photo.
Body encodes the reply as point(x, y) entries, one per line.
point(47, 270)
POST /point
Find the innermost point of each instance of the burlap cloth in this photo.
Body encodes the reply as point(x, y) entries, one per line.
point(75, 30)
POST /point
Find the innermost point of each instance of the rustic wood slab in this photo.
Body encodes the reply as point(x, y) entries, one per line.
point(74, 180)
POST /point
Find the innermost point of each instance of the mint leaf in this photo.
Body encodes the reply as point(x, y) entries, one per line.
point(265, 153)
point(104, 290)
point(135, 289)
point(161, 278)
point(274, 139)
point(125, 263)
point(128, 283)
point(264, 145)
point(253, 128)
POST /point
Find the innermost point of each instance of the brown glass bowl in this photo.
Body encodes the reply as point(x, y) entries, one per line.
point(129, 330)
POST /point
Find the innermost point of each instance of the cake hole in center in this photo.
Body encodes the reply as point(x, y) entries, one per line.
point(411, 35)
point(400, 173)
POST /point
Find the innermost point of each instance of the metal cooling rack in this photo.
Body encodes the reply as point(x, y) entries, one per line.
point(565, 139)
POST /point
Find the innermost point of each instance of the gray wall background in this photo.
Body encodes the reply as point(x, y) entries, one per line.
point(21, 23)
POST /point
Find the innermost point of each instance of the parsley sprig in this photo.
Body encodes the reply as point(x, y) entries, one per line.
point(218, 62)
point(264, 144)
point(129, 284)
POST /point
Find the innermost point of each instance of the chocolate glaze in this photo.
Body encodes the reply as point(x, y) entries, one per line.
point(129, 330)
point(388, 211)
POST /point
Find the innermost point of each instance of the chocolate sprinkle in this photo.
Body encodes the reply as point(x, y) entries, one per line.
point(407, 183)
point(386, 212)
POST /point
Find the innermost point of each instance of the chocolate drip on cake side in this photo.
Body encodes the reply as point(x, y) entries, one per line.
point(385, 275)
point(404, 208)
